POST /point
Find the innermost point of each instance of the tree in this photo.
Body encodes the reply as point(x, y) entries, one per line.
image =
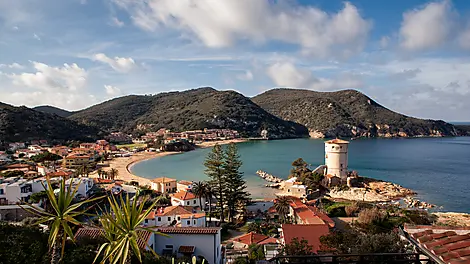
point(122, 225)
point(63, 216)
point(200, 190)
point(214, 170)
point(297, 247)
point(209, 195)
point(45, 156)
point(256, 252)
point(282, 207)
point(22, 244)
point(254, 227)
point(113, 173)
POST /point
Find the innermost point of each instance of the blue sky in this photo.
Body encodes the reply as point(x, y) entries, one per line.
point(411, 56)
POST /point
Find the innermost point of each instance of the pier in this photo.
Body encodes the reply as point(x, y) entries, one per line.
point(268, 177)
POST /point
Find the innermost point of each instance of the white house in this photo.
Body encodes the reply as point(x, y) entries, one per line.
point(175, 216)
point(260, 205)
point(85, 185)
point(163, 185)
point(184, 185)
point(4, 158)
point(190, 241)
point(186, 198)
point(17, 145)
point(15, 189)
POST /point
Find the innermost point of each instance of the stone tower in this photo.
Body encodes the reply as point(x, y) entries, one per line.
point(336, 158)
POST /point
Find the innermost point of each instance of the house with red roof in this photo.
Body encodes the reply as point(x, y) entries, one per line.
point(180, 216)
point(187, 198)
point(163, 185)
point(309, 232)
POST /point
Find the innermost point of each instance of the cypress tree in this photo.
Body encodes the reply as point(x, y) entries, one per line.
point(215, 171)
point(236, 185)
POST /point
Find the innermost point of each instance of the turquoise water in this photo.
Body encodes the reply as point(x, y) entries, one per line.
point(437, 168)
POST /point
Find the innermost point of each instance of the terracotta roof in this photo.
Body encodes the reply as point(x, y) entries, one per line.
point(272, 210)
point(76, 156)
point(449, 244)
point(195, 215)
point(173, 210)
point(18, 166)
point(250, 238)
point(311, 233)
point(186, 249)
point(59, 174)
point(184, 195)
point(188, 230)
point(323, 216)
point(163, 180)
point(94, 233)
point(183, 182)
point(151, 215)
point(270, 240)
point(307, 216)
point(336, 141)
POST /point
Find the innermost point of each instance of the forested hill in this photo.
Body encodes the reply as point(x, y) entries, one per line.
point(187, 110)
point(24, 124)
point(347, 113)
point(53, 110)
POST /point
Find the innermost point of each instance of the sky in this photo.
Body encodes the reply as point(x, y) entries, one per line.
point(410, 56)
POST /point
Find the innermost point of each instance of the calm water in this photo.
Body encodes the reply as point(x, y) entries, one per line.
point(437, 168)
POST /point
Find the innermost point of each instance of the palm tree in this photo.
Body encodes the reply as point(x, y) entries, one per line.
point(162, 200)
point(209, 194)
point(200, 190)
point(113, 173)
point(100, 172)
point(63, 214)
point(122, 225)
point(282, 207)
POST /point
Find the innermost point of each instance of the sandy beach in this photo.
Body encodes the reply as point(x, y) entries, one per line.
point(124, 164)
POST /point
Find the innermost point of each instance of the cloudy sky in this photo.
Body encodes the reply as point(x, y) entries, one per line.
point(411, 56)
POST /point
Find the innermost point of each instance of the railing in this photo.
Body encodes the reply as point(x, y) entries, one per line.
point(404, 258)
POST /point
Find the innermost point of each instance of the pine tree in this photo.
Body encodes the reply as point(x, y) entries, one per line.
point(236, 185)
point(215, 171)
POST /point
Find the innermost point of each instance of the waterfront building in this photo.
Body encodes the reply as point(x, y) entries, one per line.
point(186, 198)
point(292, 187)
point(336, 158)
point(184, 185)
point(84, 185)
point(164, 185)
point(77, 160)
point(15, 189)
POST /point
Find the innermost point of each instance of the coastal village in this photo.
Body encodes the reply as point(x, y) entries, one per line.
point(311, 205)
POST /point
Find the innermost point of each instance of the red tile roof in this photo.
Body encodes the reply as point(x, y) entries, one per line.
point(449, 244)
point(310, 214)
point(337, 141)
point(311, 233)
point(183, 195)
point(94, 233)
point(188, 230)
point(250, 238)
point(173, 210)
point(163, 180)
point(195, 215)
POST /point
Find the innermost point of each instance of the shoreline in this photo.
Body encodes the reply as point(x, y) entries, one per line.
point(125, 164)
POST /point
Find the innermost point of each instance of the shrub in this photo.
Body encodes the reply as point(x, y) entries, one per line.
point(351, 209)
point(369, 216)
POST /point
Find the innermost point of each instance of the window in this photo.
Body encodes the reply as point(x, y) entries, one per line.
point(188, 222)
point(341, 165)
point(194, 202)
point(187, 203)
point(179, 218)
point(194, 222)
point(146, 221)
point(169, 218)
point(159, 219)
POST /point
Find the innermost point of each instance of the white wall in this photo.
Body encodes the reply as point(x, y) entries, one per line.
point(336, 159)
point(206, 245)
point(260, 205)
point(191, 202)
point(194, 222)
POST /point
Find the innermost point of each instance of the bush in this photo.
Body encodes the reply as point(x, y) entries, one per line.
point(352, 209)
point(369, 216)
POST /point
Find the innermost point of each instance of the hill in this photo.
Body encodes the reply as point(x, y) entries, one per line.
point(347, 113)
point(24, 124)
point(53, 110)
point(187, 110)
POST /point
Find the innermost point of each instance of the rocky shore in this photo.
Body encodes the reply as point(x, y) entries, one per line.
point(372, 191)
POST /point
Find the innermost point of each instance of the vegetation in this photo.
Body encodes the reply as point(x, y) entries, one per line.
point(24, 124)
point(255, 253)
point(297, 248)
point(226, 181)
point(305, 175)
point(45, 156)
point(188, 110)
point(14, 173)
point(200, 190)
point(64, 215)
point(338, 113)
point(53, 110)
point(282, 206)
point(265, 228)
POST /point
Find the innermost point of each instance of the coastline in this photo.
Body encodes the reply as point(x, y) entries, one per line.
point(124, 164)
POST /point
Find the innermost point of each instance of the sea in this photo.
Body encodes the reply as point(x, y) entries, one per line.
point(438, 169)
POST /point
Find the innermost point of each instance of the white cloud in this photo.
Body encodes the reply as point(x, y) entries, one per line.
point(36, 36)
point(405, 74)
point(119, 64)
point(116, 22)
point(223, 23)
point(14, 65)
point(247, 76)
point(112, 90)
point(464, 39)
point(47, 78)
point(286, 74)
point(384, 42)
point(426, 27)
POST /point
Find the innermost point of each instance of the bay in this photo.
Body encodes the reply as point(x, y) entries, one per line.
point(438, 169)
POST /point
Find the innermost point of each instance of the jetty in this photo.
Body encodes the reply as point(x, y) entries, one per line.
point(268, 177)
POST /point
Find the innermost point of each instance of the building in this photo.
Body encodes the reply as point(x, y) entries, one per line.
point(164, 185)
point(245, 240)
point(306, 214)
point(184, 185)
point(190, 241)
point(260, 205)
point(186, 198)
point(15, 213)
point(75, 161)
point(84, 185)
point(336, 158)
point(145, 239)
point(13, 190)
point(166, 216)
point(441, 244)
point(292, 187)
point(310, 232)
